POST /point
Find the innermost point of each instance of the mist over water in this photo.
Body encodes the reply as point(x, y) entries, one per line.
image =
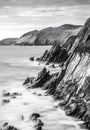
point(15, 67)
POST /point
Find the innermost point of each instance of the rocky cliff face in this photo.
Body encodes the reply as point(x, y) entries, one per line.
point(71, 85)
point(79, 42)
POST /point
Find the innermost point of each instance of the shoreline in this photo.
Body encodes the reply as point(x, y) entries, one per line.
point(49, 85)
point(38, 93)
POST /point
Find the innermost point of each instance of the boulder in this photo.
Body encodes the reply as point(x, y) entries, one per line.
point(16, 94)
point(31, 58)
point(38, 59)
point(5, 101)
point(38, 125)
point(6, 94)
point(39, 94)
point(6, 126)
point(35, 116)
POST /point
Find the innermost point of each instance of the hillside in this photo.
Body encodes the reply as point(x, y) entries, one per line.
point(8, 41)
point(45, 36)
point(49, 35)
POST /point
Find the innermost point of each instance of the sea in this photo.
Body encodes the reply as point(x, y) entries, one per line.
point(15, 67)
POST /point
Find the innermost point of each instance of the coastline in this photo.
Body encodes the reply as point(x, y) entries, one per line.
point(21, 104)
point(70, 85)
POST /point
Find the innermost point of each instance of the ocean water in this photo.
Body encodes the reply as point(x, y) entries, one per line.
point(15, 67)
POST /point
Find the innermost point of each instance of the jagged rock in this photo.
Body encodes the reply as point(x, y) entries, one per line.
point(42, 77)
point(71, 109)
point(35, 116)
point(43, 71)
point(38, 125)
point(6, 126)
point(6, 94)
point(37, 59)
point(5, 101)
point(31, 59)
point(29, 80)
point(16, 94)
point(47, 63)
point(39, 94)
point(70, 86)
point(69, 43)
point(13, 97)
point(86, 87)
point(56, 54)
point(10, 127)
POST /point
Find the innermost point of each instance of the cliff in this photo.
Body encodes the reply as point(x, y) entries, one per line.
point(46, 36)
point(71, 85)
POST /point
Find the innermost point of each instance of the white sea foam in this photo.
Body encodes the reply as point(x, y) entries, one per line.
point(13, 70)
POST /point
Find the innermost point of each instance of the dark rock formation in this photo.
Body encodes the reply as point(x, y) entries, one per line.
point(35, 116)
point(47, 63)
point(6, 94)
point(29, 80)
point(15, 94)
point(5, 101)
point(38, 123)
point(31, 58)
point(37, 59)
point(42, 77)
point(6, 126)
point(71, 86)
point(56, 54)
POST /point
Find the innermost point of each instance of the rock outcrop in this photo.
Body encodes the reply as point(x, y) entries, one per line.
point(71, 85)
point(38, 123)
point(57, 54)
point(6, 126)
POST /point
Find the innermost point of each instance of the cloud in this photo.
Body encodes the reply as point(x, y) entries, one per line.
point(19, 16)
point(39, 3)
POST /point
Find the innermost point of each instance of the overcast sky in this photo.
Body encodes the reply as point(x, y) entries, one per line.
point(20, 16)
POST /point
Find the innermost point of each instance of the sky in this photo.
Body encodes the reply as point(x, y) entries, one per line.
point(20, 16)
